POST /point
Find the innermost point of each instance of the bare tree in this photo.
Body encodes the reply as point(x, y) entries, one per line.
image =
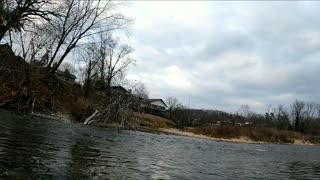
point(114, 59)
point(318, 110)
point(89, 68)
point(98, 51)
point(118, 60)
point(90, 61)
point(14, 14)
point(140, 90)
point(282, 118)
point(310, 110)
point(244, 110)
point(33, 46)
point(77, 22)
point(173, 104)
point(297, 112)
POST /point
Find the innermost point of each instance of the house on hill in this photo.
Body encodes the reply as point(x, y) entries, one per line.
point(66, 76)
point(119, 90)
point(155, 104)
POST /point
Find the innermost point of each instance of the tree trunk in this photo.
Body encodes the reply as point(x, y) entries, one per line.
point(88, 81)
point(87, 88)
point(102, 82)
point(108, 86)
point(55, 67)
point(3, 30)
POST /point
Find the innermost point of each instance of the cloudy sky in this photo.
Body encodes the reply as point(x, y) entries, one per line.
point(220, 55)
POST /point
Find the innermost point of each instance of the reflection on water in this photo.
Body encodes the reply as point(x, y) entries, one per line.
point(39, 148)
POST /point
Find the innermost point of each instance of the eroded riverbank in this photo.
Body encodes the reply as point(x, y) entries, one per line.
point(179, 132)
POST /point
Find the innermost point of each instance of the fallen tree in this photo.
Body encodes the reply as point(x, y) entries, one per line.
point(118, 113)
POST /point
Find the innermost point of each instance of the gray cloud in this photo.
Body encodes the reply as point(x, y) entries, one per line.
point(255, 53)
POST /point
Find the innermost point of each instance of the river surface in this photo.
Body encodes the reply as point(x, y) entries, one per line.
point(38, 148)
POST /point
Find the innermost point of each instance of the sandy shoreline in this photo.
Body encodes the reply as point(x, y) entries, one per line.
point(178, 132)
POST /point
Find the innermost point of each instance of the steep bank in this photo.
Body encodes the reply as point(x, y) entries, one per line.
point(29, 88)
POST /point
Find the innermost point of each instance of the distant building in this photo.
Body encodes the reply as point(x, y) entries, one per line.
point(155, 104)
point(66, 76)
point(119, 90)
point(248, 123)
point(239, 124)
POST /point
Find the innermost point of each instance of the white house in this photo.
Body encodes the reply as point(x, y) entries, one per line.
point(156, 104)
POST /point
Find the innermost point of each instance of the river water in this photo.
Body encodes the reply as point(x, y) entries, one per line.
point(38, 148)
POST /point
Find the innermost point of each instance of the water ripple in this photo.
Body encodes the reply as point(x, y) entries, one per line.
point(38, 148)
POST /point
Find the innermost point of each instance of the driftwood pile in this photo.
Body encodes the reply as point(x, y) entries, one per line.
point(117, 113)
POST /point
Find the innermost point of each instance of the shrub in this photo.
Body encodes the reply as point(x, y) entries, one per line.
point(79, 109)
point(153, 121)
point(255, 134)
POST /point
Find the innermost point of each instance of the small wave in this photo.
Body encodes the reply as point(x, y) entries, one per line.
point(261, 150)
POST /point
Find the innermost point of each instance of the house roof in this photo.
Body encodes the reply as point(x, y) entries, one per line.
point(66, 74)
point(119, 88)
point(154, 100)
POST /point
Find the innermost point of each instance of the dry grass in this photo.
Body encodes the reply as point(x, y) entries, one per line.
point(152, 121)
point(255, 134)
point(312, 139)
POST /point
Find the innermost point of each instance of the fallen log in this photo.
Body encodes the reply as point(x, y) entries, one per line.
point(87, 121)
point(5, 103)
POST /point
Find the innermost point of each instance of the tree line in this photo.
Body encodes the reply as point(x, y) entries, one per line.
point(301, 117)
